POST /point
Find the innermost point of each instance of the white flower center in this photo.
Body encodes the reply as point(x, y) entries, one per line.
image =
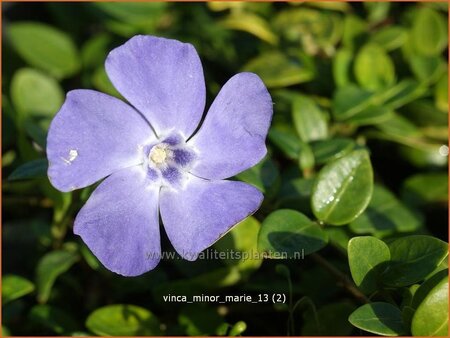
point(158, 154)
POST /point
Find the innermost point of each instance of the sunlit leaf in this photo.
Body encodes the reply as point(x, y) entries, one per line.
point(380, 318)
point(14, 287)
point(367, 258)
point(123, 320)
point(343, 188)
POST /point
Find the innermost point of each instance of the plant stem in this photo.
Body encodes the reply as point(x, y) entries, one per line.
point(344, 280)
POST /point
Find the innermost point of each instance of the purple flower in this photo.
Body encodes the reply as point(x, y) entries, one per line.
point(153, 160)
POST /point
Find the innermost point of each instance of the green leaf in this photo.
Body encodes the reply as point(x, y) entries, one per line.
point(34, 93)
point(198, 320)
point(349, 101)
point(413, 258)
point(264, 176)
point(371, 115)
point(252, 24)
point(30, 170)
point(44, 47)
point(280, 70)
point(14, 287)
point(123, 320)
point(441, 93)
point(139, 14)
point(341, 67)
point(53, 318)
point(309, 120)
point(398, 125)
point(385, 215)
point(242, 240)
point(429, 32)
point(427, 69)
point(422, 189)
point(101, 81)
point(431, 317)
point(374, 68)
point(367, 257)
point(422, 291)
point(401, 93)
point(390, 37)
point(49, 268)
point(288, 233)
point(285, 138)
point(379, 318)
point(343, 188)
point(377, 11)
point(94, 51)
point(295, 194)
point(327, 150)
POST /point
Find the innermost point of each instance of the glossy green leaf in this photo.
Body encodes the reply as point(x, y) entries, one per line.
point(422, 189)
point(422, 292)
point(44, 47)
point(390, 37)
point(49, 268)
point(327, 150)
point(429, 32)
point(413, 258)
point(252, 24)
point(374, 68)
point(290, 233)
point(30, 170)
point(34, 93)
point(349, 101)
point(14, 287)
point(385, 215)
point(343, 188)
point(431, 317)
point(53, 318)
point(309, 120)
point(123, 320)
point(380, 318)
point(367, 257)
point(280, 70)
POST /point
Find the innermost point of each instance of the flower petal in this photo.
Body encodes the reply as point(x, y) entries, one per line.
point(203, 211)
point(92, 136)
point(163, 79)
point(120, 223)
point(232, 137)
